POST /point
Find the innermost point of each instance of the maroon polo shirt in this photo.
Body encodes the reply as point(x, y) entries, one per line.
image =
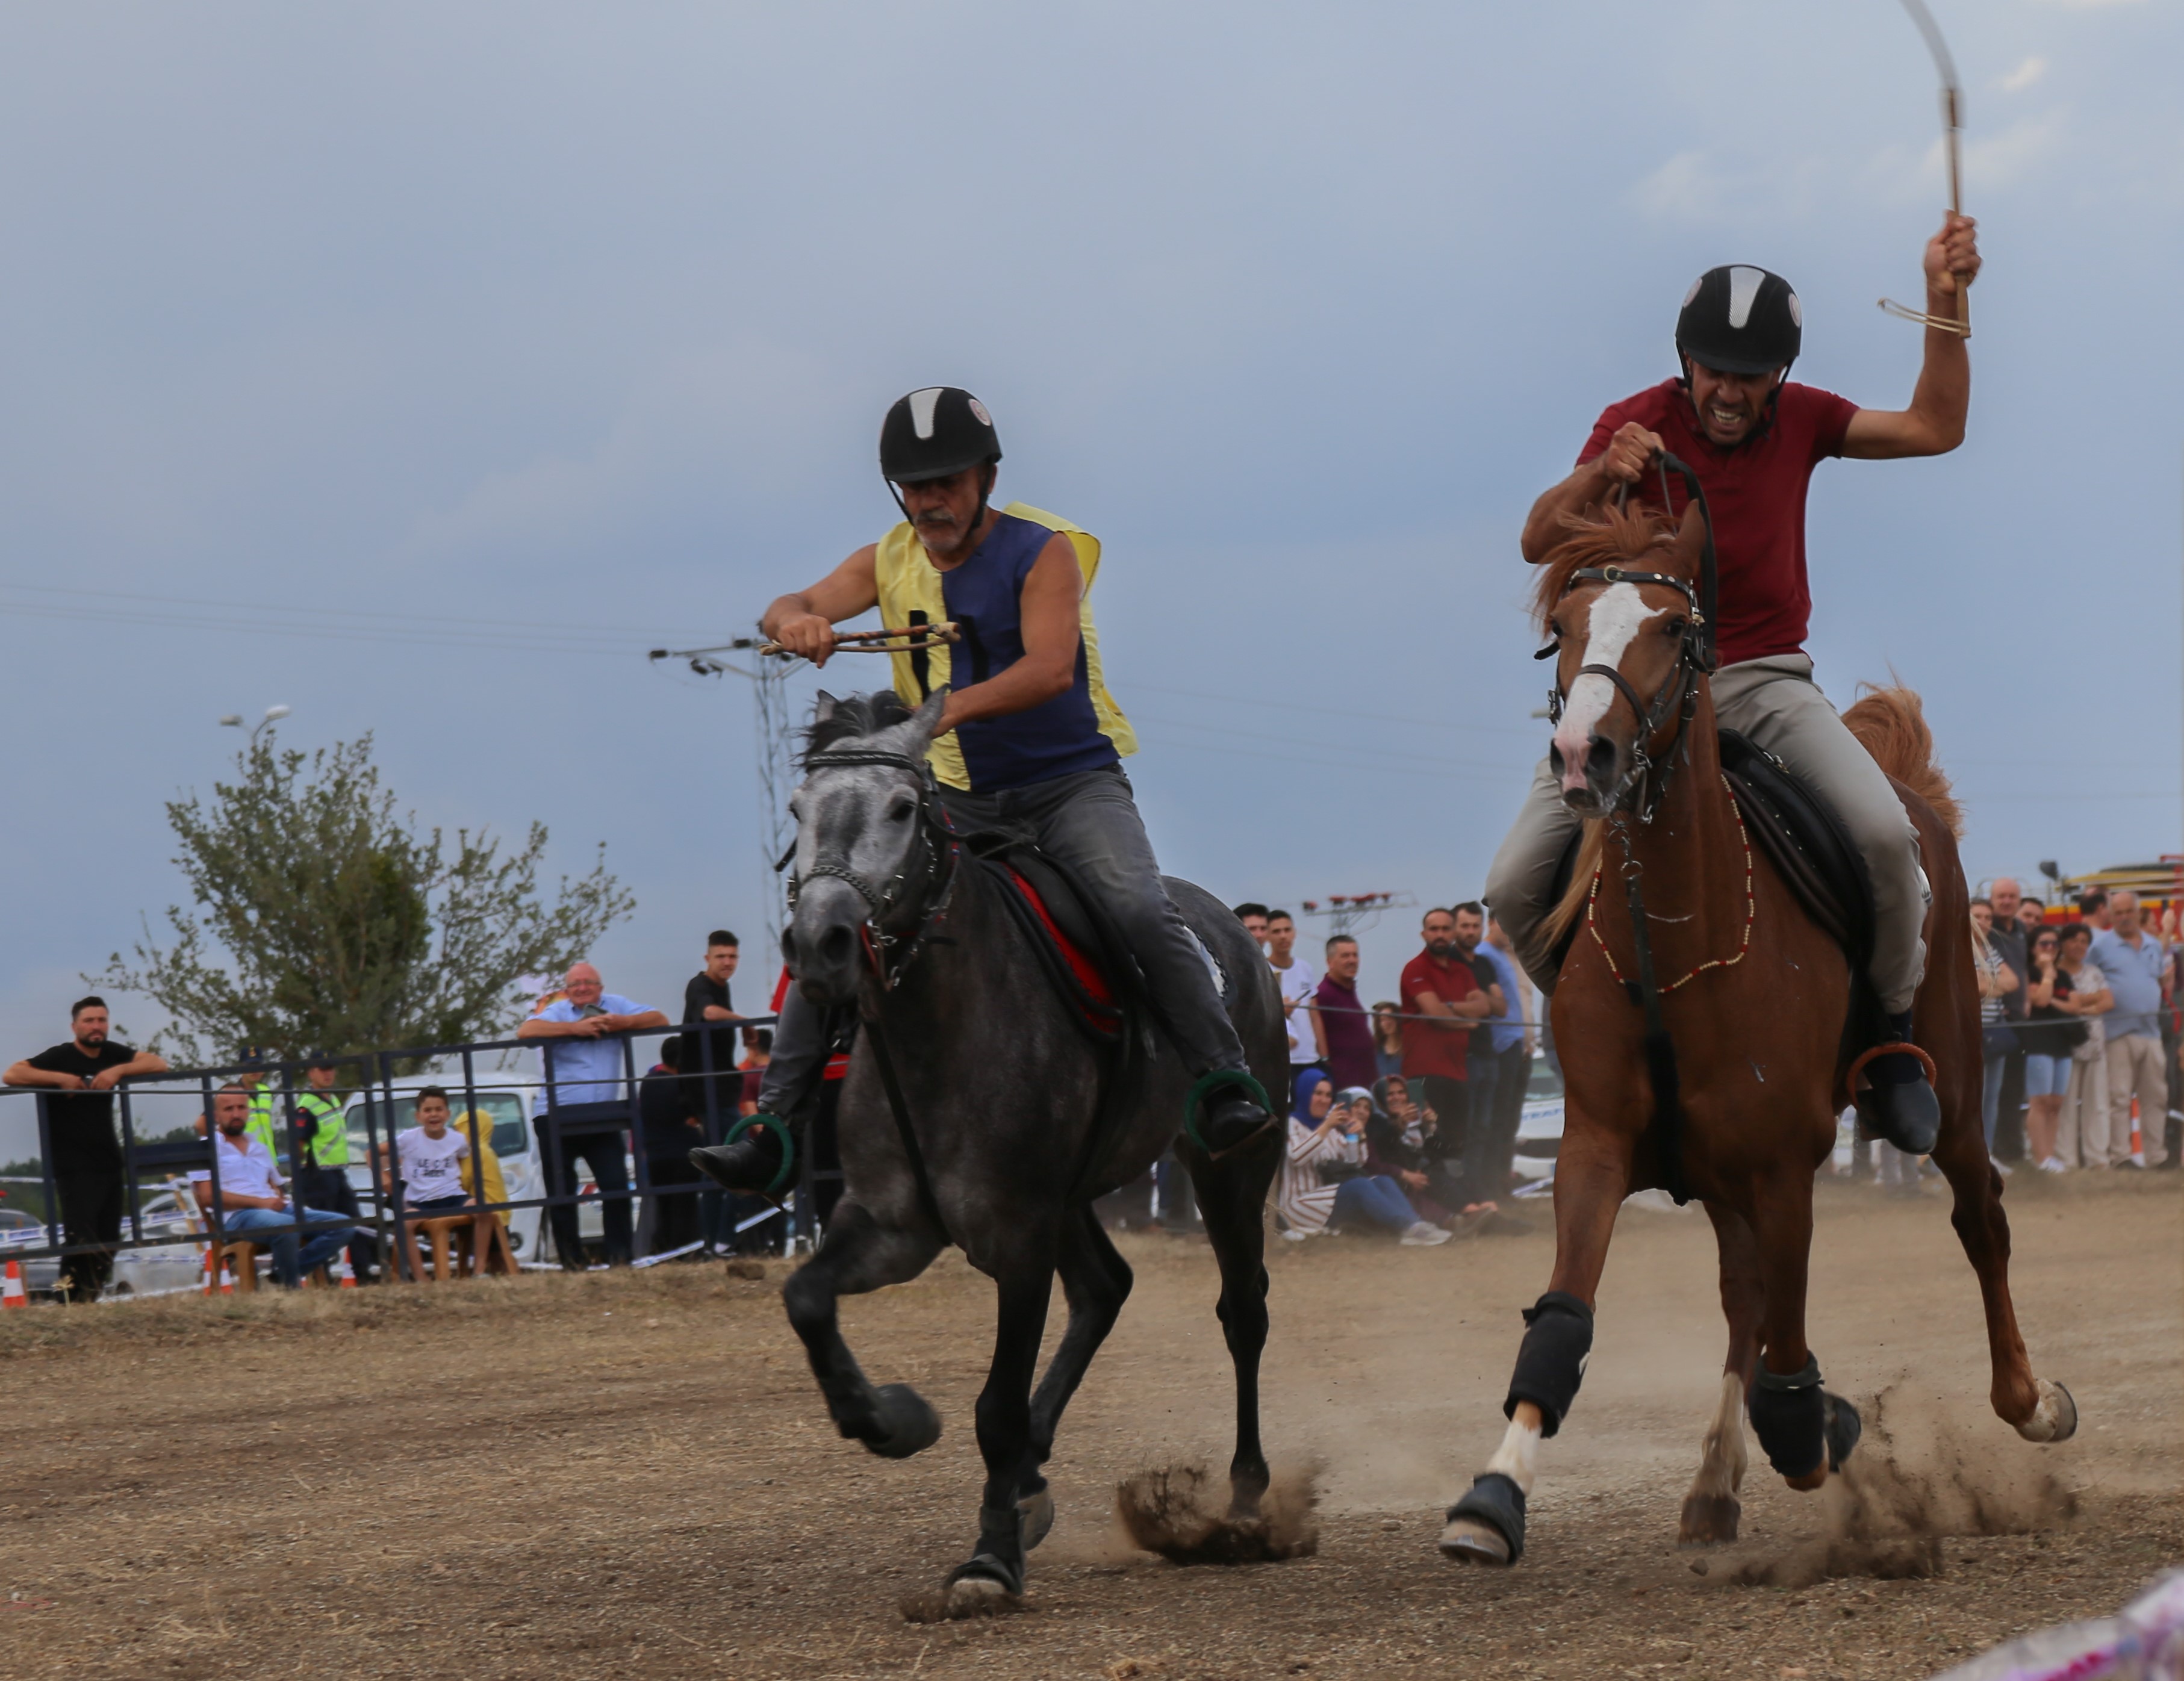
point(1433, 1047)
point(1349, 1028)
point(1756, 493)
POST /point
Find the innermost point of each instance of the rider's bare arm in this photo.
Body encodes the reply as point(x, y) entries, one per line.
point(1627, 456)
point(1934, 424)
point(1048, 614)
point(804, 623)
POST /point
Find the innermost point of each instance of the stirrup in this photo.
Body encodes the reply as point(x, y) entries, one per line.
point(787, 1171)
point(1211, 1082)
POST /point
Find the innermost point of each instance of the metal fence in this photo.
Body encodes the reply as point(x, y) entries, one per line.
point(150, 1165)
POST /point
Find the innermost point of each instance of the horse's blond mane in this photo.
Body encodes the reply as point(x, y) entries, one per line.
point(1603, 536)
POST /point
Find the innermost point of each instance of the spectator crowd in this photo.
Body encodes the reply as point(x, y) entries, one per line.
point(1402, 1113)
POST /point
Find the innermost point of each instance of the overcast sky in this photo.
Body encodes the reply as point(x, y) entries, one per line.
point(433, 326)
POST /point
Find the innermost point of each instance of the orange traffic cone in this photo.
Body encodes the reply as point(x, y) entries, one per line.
point(211, 1276)
point(344, 1274)
point(11, 1292)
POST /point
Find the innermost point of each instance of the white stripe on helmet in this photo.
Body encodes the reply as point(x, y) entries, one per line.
point(1743, 293)
point(921, 405)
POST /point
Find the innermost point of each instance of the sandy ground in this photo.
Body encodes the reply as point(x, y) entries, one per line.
point(631, 1475)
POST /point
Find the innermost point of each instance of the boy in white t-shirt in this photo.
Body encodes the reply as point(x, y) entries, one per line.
point(1297, 979)
point(431, 1155)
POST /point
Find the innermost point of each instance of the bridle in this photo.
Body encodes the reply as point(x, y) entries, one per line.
point(888, 952)
point(1680, 689)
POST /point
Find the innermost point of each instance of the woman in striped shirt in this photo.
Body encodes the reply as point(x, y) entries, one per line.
point(1309, 1197)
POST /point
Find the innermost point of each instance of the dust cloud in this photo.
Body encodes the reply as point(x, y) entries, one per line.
point(1181, 1512)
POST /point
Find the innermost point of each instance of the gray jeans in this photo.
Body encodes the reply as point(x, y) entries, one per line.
point(1089, 823)
point(1775, 702)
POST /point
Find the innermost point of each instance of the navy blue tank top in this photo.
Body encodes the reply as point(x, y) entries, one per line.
point(1056, 737)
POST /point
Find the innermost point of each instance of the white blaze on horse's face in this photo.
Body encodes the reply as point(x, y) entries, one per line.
point(1618, 613)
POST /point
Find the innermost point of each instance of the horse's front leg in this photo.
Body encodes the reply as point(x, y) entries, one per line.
point(1487, 1525)
point(1804, 1431)
point(860, 1254)
point(1711, 1511)
point(996, 1571)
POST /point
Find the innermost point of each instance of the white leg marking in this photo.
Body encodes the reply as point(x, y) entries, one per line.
point(1721, 1465)
point(1517, 1458)
point(1617, 616)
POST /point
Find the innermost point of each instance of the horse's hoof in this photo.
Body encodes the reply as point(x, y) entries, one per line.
point(907, 1425)
point(1708, 1521)
point(1036, 1513)
point(1840, 1429)
point(1469, 1541)
point(1487, 1525)
point(2055, 1419)
point(974, 1589)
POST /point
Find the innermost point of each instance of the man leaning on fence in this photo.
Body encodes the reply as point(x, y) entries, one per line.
point(251, 1199)
point(87, 1151)
point(586, 1097)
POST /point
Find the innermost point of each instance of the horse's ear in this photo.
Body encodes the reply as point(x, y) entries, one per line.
point(1691, 540)
point(927, 719)
point(823, 708)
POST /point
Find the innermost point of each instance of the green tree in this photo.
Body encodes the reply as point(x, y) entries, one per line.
point(326, 920)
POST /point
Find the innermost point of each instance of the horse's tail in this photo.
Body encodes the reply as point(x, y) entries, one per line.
point(1891, 725)
point(1571, 905)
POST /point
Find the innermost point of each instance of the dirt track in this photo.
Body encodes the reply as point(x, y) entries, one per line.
point(632, 1474)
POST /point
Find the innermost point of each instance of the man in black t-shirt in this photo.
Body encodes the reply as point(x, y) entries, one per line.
point(86, 1150)
point(706, 999)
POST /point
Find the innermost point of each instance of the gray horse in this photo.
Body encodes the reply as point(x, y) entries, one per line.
point(999, 1111)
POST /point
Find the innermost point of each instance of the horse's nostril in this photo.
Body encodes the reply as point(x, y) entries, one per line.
point(1554, 760)
point(1600, 760)
point(834, 945)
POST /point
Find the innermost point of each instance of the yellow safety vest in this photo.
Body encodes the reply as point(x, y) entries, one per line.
point(328, 1141)
point(261, 1126)
point(910, 582)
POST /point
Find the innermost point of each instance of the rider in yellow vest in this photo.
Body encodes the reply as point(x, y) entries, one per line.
point(1030, 738)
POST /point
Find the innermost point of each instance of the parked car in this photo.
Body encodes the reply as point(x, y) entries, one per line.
point(21, 1231)
point(160, 1268)
point(1540, 1124)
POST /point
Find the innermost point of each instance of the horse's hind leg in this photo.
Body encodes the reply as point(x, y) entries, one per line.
point(860, 1254)
point(1097, 1283)
point(2039, 1410)
point(1232, 1197)
point(1711, 1511)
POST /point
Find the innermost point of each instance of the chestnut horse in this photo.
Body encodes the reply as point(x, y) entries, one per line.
point(1753, 998)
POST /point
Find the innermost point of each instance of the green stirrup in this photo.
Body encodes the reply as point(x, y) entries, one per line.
point(1213, 1082)
point(787, 1147)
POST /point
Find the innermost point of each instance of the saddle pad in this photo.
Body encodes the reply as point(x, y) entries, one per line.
point(1806, 842)
point(1090, 975)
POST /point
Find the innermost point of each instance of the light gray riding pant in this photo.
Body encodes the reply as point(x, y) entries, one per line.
point(1775, 703)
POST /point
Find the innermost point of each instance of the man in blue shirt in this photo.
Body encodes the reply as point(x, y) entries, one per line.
point(2135, 963)
point(586, 1098)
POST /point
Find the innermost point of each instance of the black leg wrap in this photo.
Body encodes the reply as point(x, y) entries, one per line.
point(1789, 1415)
point(1551, 1360)
point(1497, 1501)
point(1000, 1557)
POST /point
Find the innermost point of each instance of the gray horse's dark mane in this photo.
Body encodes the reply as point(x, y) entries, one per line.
point(853, 719)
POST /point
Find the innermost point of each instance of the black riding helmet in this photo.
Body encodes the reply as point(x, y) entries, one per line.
point(934, 432)
point(1740, 319)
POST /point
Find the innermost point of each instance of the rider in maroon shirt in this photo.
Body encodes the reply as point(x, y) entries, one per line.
point(1753, 438)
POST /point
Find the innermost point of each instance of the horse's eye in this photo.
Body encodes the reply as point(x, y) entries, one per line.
point(1676, 627)
point(902, 811)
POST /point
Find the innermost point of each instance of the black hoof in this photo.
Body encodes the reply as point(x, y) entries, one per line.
point(1708, 1521)
point(986, 1568)
point(1840, 1427)
point(907, 1425)
point(1492, 1512)
point(1036, 1512)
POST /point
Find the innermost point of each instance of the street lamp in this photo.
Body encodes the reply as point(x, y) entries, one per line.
point(273, 714)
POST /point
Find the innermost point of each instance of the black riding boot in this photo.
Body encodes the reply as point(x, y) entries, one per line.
point(1233, 1116)
point(762, 1156)
point(1898, 1101)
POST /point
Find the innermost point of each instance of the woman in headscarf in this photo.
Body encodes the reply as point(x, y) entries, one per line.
point(1394, 1146)
point(1323, 1180)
